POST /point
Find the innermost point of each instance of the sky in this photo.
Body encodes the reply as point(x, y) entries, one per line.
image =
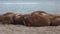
point(28, 6)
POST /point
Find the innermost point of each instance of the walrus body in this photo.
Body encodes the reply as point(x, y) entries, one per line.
point(1, 19)
point(35, 20)
point(8, 18)
point(17, 19)
point(55, 20)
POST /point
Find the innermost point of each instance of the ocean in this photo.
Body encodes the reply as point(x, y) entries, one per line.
point(24, 7)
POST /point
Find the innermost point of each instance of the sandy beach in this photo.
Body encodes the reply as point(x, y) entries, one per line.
point(19, 29)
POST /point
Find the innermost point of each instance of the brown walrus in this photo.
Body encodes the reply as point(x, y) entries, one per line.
point(35, 20)
point(17, 19)
point(40, 12)
point(55, 20)
point(8, 18)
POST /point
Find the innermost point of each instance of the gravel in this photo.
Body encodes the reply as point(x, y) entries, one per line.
point(20, 29)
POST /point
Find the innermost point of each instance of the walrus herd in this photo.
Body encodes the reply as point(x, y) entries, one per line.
point(35, 19)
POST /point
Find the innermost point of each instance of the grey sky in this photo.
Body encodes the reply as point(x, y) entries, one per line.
point(18, 1)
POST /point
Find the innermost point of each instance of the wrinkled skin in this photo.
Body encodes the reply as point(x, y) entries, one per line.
point(35, 20)
point(42, 13)
point(8, 18)
point(17, 19)
point(55, 21)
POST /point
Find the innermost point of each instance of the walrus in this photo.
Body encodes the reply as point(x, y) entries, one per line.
point(8, 18)
point(11, 18)
point(55, 20)
point(35, 20)
point(40, 12)
point(1, 19)
point(17, 19)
